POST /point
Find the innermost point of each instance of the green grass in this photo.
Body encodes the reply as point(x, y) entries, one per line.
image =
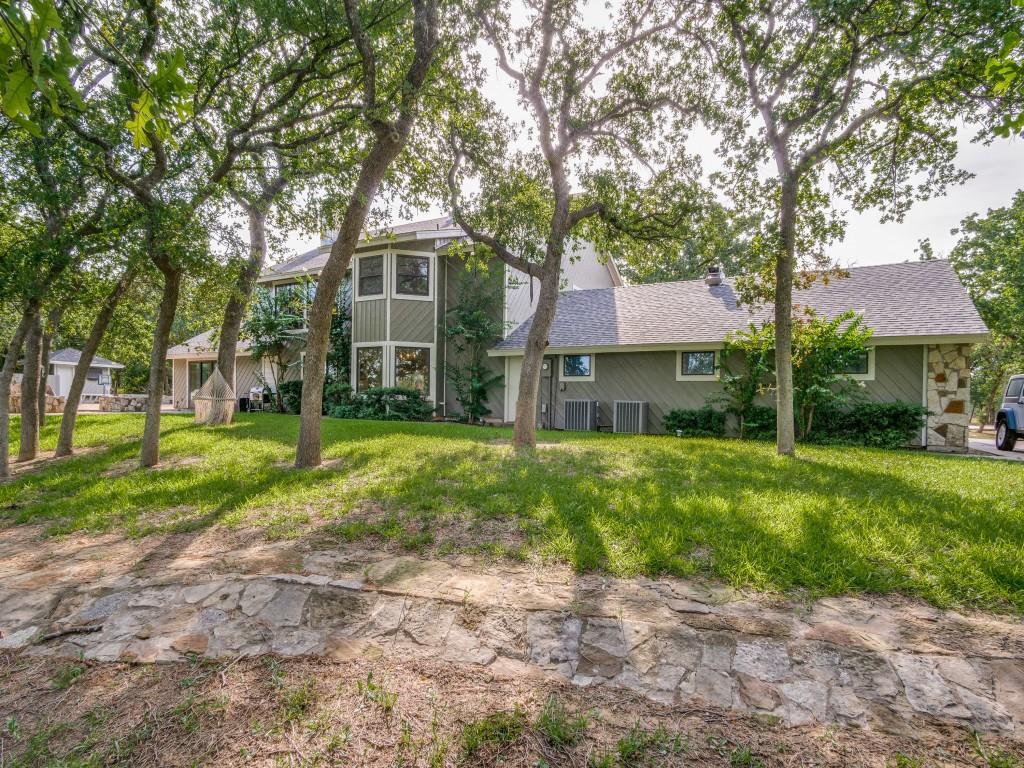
point(833, 521)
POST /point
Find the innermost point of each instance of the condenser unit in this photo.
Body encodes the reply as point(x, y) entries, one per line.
point(581, 415)
point(630, 416)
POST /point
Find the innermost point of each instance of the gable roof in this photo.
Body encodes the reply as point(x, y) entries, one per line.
point(912, 299)
point(69, 356)
point(202, 345)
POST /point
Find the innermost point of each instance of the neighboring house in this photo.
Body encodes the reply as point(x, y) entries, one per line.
point(98, 380)
point(401, 285)
point(641, 351)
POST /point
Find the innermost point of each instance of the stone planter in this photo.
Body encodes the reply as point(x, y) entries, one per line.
point(123, 403)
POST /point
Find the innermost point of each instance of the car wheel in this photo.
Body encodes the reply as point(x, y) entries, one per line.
point(1006, 438)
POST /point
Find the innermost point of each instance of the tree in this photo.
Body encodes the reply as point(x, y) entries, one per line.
point(270, 329)
point(473, 328)
point(603, 113)
point(390, 98)
point(854, 100)
point(1006, 73)
point(989, 259)
point(748, 371)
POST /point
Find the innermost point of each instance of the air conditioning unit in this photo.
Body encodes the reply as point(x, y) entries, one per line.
point(581, 415)
point(630, 416)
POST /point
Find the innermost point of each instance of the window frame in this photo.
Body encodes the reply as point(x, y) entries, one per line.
point(1007, 397)
point(393, 272)
point(563, 376)
point(383, 362)
point(714, 376)
point(870, 374)
point(429, 394)
point(358, 294)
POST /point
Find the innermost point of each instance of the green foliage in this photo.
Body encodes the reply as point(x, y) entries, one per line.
point(385, 404)
point(337, 393)
point(339, 350)
point(747, 372)
point(378, 694)
point(882, 425)
point(291, 395)
point(989, 259)
point(268, 329)
point(471, 330)
point(559, 727)
point(1005, 72)
point(66, 676)
point(700, 422)
point(491, 733)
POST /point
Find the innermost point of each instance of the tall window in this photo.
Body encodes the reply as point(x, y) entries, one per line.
point(577, 366)
point(369, 368)
point(371, 275)
point(198, 373)
point(412, 369)
point(412, 275)
point(697, 364)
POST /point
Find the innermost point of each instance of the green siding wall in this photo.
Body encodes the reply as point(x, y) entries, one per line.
point(369, 319)
point(412, 321)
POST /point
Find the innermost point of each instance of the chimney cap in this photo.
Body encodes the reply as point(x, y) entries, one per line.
point(715, 275)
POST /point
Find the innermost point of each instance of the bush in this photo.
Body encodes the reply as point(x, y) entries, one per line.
point(702, 422)
point(336, 393)
point(291, 394)
point(385, 404)
point(884, 425)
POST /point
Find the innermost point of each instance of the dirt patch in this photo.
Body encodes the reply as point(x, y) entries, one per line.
point(46, 459)
point(269, 711)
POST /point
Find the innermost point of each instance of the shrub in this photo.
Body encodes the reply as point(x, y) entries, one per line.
point(336, 393)
point(385, 404)
point(759, 423)
point(291, 395)
point(701, 422)
point(885, 425)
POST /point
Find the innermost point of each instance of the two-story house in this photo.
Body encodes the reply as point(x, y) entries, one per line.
point(401, 285)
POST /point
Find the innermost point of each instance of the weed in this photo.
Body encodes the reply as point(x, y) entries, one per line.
point(66, 676)
point(995, 758)
point(742, 757)
point(375, 693)
point(493, 732)
point(296, 702)
point(642, 748)
point(558, 726)
point(191, 712)
point(900, 760)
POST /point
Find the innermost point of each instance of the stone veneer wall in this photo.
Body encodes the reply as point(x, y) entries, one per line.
point(949, 396)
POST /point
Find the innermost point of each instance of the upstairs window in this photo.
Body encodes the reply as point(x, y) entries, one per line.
point(412, 276)
point(371, 276)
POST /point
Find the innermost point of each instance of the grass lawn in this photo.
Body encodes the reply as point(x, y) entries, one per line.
point(836, 520)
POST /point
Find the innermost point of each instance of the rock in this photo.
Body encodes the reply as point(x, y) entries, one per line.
point(763, 659)
point(713, 686)
point(463, 647)
point(846, 636)
point(103, 606)
point(256, 596)
point(428, 623)
point(602, 647)
point(199, 592)
point(19, 606)
point(505, 632)
point(553, 640)
point(296, 642)
point(285, 608)
point(924, 687)
point(342, 648)
point(757, 694)
point(1008, 681)
point(807, 701)
point(209, 618)
point(334, 608)
point(19, 638)
point(194, 643)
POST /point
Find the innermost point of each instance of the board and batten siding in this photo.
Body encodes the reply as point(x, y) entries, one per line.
point(411, 320)
point(369, 320)
point(650, 376)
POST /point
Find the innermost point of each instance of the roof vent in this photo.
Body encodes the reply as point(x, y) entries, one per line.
point(715, 275)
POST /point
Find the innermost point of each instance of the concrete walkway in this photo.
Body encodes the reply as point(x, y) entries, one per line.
point(987, 447)
point(863, 661)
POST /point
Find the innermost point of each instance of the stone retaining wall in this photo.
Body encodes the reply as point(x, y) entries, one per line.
point(123, 403)
point(949, 396)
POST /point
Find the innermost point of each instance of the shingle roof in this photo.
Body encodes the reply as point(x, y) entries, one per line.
point(923, 298)
point(71, 356)
point(202, 344)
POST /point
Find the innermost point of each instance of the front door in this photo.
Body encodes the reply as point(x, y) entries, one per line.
point(513, 367)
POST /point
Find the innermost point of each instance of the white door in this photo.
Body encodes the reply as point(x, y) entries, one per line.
point(513, 367)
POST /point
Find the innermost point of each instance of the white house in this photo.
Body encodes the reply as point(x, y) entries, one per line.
point(62, 370)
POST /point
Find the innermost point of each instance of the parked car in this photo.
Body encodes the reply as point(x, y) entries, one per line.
point(1010, 419)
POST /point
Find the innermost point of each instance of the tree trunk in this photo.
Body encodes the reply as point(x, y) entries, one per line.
point(150, 453)
point(234, 313)
point(524, 433)
point(29, 446)
point(44, 358)
point(374, 167)
point(784, 267)
point(99, 328)
point(6, 376)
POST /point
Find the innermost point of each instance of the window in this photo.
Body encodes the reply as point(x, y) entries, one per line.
point(697, 364)
point(369, 368)
point(412, 369)
point(860, 365)
point(293, 299)
point(93, 374)
point(578, 367)
point(1013, 391)
point(198, 373)
point(371, 275)
point(412, 275)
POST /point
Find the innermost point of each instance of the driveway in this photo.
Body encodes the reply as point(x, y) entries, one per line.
point(987, 446)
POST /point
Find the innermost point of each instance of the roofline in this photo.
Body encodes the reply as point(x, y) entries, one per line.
point(94, 364)
point(876, 341)
point(202, 355)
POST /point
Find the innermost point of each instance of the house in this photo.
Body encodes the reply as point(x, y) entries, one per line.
point(98, 380)
point(659, 346)
point(401, 284)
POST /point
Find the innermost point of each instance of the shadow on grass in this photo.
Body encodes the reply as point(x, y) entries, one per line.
point(834, 521)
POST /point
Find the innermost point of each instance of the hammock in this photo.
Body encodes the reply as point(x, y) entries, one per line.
point(214, 401)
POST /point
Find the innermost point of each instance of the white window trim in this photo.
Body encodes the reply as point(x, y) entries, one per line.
point(432, 396)
point(354, 373)
point(680, 376)
point(356, 293)
point(393, 271)
point(870, 375)
point(569, 379)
